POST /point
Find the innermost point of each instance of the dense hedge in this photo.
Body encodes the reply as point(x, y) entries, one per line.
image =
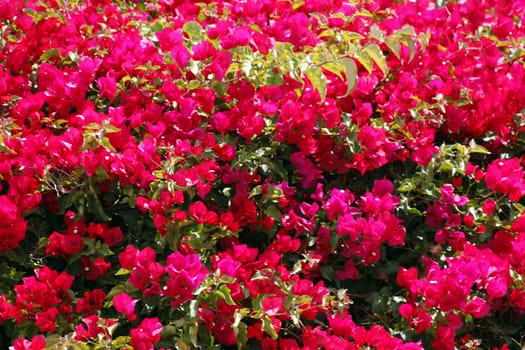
point(262, 174)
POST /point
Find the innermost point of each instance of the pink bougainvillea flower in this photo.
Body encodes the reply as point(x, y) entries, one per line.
point(108, 87)
point(308, 172)
point(273, 305)
point(38, 342)
point(124, 304)
point(93, 327)
point(146, 334)
point(506, 176)
point(12, 226)
point(477, 307)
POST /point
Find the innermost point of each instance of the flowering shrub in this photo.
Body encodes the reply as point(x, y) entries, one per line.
point(262, 174)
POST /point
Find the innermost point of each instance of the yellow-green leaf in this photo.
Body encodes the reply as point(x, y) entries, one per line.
point(334, 67)
point(121, 342)
point(393, 44)
point(194, 30)
point(374, 51)
point(225, 294)
point(268, 328)
point(49, 54)
point(364, 58)
point(351, 36)
point(407, 30)
point(156, 27)
point(318, 80)
point(412, 48)
point(350, 70)
point(376, 33)
point(475, 148)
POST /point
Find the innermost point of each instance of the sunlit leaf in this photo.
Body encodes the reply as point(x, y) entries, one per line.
point(318, 80)
point(350, 71)
point(375, 53)
point(364, 58)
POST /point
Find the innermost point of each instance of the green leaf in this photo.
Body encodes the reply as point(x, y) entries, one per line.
point(107, 144)
point(272, 79)
point(156, 27)
point(257, 190)
point(95, 207)
point(374, 51)
point(54, 52)
point(268, 328)
point(318, 80)
point(121, 342)
point(328, 273)
point(406, 186)
point(350, 70)
point(274, 212)
point(119, 288)
point(110, 128)
point(407, 30)
point(68, 200)
point(246, 65)
point(225, 294)
point(122, 272)
point(241, 334)
point(274, 192)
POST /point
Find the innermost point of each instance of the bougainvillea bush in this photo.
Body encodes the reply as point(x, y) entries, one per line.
point(262, 174)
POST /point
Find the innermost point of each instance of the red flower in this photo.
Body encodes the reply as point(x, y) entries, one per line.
point(7, 310)
point(12, 226)
point(444, 339)
point(288, 344)
point(46, 320)
point(203, 50)
point(128, 257)
point(250, 126)
point(201, 214)
point(113, 236)
point(93, 270)
point(64, 245)
point(350, 271)
point(488, 207)
point(223, 332)
point(91, 301)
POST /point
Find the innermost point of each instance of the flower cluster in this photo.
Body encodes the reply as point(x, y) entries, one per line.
point(262, 174)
